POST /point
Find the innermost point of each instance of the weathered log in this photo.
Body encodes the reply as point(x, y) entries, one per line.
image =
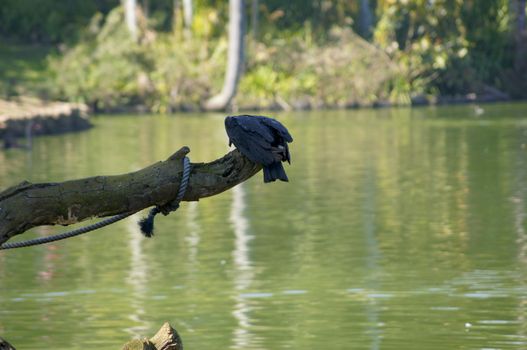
point(29, 205)
point(4, 345)
point(167, 338)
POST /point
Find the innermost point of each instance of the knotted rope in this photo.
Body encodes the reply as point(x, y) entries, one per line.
point(147, 224)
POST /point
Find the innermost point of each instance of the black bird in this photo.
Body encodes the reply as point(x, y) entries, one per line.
point(263, 140)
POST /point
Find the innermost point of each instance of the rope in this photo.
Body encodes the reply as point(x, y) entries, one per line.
point(147, 224)
point(58, 237)
point(165, 210)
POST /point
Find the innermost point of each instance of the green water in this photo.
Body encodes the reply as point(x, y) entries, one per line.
point(400, 229)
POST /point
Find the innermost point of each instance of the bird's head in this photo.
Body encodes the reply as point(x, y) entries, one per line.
point(229, 125)
point(229, 121)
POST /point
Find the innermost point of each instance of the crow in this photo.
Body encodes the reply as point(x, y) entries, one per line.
point(263, 140)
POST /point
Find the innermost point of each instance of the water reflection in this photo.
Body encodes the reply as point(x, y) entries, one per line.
point(518, 201)
point(373, 256)
point(397, 224)
point(244, 273)
point(137, 278)
point(193, 236)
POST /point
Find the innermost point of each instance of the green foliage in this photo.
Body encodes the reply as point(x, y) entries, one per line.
point(23, 70)
point(346, 71)
point(108, 70)
point(447, 46)
point(48, 20)
point(306, 52)
point(102, 70)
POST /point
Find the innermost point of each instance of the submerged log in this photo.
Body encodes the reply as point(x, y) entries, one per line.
point(167, 338)
point(28, 205)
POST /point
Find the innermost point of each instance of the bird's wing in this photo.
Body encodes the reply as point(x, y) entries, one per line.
point(255, 125)
point(280, 129)
point(251, 143)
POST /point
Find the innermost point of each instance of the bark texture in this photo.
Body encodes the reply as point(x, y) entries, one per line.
point(4, 345)
point(166, 338)
point(28, 205)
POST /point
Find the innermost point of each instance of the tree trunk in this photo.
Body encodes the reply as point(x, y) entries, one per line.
point(146, 8)
point(365, 19)
point(235, 58)
point(130, 17)
point(187, 16)
point(521, 16)
point(254, 19)
point(175, 12)
point(29, 205)
point(520, 63)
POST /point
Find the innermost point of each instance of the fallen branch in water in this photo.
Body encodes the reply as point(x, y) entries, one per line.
point(29, 205)
point(166, 338)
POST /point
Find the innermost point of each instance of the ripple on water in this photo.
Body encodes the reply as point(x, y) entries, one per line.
point(294, 292)
point(256, 295)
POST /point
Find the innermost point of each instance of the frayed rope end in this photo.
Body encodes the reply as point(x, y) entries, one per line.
point(147, 224)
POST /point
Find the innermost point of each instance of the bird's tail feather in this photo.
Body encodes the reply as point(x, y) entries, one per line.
point(274, 171)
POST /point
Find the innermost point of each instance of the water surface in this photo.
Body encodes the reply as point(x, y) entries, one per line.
point(400, 229)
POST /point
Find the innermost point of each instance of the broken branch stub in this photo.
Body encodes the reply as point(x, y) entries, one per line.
point(167, 338)
point(29, 205)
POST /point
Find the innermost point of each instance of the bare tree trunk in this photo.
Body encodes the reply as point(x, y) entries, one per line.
point(146, 8)
point(254, 19)
point(520, 36)
point(521, 16)
point(130, 17)
point(365, 19)
point(187, 16)
point(235, 58)
point(175, 11)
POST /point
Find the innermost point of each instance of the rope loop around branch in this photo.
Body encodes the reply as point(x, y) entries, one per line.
point(147, 224)
point(166, 209)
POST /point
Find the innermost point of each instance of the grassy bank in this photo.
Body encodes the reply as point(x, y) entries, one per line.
point(24, 69)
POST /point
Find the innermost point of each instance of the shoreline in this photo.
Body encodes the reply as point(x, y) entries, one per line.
point(27, 116)
point(31, 116)
point(307, 104)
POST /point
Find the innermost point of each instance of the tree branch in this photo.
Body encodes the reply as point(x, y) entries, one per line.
point(29, 205)
point(4, 345)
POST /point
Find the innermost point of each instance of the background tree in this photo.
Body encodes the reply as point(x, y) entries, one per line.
point(254, 18)
point(131, 17)
point(365, 19)
point(235, 60)
point(188, 16)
